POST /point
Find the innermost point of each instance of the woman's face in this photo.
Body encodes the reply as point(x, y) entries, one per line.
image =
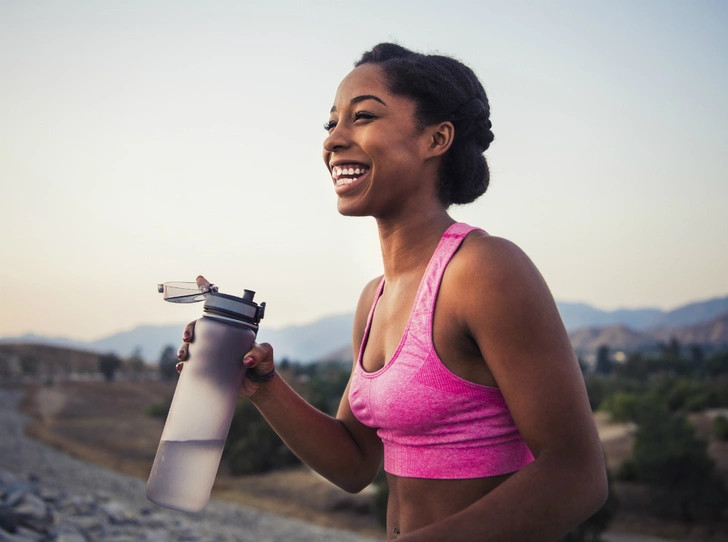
point(375, 150)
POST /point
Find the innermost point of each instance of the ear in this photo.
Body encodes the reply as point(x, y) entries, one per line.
point(440, 138)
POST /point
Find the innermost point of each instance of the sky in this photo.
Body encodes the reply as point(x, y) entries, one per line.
point(143, 142)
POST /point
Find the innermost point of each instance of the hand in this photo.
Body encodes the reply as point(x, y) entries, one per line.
point(259, 359)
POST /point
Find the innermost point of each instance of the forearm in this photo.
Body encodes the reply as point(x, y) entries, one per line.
point(541, 502)
point(321, 441)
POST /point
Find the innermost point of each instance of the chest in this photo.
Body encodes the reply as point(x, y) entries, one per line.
point(438, 327)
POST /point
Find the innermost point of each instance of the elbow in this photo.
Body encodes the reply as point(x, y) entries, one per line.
point(595, 489)
point(350, 486)
point(602, 491)
point(355, 484)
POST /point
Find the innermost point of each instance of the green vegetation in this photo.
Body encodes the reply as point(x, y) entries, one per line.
point(168, 363)
point(108, 365)
point(654, 392)
point(720, 428)
point(657, 393)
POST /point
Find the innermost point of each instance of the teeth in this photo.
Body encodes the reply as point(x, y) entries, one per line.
point(347, 175)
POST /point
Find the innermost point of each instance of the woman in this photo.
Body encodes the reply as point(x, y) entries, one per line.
point(464, 382)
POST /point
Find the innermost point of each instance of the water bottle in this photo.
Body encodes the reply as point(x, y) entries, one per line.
point(204, 400)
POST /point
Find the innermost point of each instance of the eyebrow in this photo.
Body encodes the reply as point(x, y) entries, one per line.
point(362, 98)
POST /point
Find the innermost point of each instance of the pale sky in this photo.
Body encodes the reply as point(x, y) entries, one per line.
point(149, 141)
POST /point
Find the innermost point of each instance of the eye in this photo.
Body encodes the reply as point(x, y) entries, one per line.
point(363, 115)
point(328, 126)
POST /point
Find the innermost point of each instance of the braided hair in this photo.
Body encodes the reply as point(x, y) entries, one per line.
point(444, 89)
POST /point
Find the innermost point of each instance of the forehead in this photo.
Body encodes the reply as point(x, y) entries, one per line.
point(367, 79)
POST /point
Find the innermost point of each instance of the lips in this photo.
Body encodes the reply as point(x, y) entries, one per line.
point(345, 174)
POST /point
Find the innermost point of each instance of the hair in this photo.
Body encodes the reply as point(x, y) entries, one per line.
point(443, 89)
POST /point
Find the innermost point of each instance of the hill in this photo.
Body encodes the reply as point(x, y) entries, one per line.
point(330, 337)
point(713, 334)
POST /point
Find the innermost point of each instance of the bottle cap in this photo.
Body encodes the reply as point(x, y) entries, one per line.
point(237, 308)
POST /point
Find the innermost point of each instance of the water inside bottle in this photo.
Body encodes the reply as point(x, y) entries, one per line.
point(183, 473)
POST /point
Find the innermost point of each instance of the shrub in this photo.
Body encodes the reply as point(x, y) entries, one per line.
point(720, 427)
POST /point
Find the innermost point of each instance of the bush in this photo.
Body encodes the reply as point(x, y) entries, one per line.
point(158, 410)
point(252, 447)
point(627, 471)
point(720, 428)
point(668, 456)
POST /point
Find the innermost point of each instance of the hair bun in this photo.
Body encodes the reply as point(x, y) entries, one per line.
point(472, 119)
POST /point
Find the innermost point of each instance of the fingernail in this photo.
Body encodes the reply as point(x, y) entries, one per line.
point(181, 351)
point(179, 367)
point(248, 361)
point(186, 334)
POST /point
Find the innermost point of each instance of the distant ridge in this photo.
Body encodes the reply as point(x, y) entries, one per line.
point(713, 333)
point(330, 337)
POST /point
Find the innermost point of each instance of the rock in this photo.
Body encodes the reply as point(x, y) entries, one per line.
point(8, 519)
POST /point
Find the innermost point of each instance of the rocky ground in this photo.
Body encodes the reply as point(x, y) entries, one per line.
point(46, 495)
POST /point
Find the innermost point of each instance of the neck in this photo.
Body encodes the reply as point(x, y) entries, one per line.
point(407, 245)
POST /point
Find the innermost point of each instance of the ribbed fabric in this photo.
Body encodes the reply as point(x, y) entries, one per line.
point(434, 424)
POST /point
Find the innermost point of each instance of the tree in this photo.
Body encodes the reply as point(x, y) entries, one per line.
point(604, 364)
point(252, 446)
point(168, 363)
point(108, 365)
point(135, 362)
point(29, 365)
point(669, 457)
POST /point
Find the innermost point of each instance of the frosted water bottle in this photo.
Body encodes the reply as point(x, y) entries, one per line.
point(204, 400)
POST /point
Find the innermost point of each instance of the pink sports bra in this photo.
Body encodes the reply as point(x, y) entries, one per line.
point(434, 424)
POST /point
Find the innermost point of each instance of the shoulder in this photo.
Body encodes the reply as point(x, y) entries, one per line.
point(367, 295)
point(366, 299)
point(491, 261)
point(492, 280)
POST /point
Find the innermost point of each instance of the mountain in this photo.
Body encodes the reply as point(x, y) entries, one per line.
point(713, 332)
point(323, 338)
point(617, 337)
point(311, 342)
point(579, 315)
point(330, 337)
point(691, 314)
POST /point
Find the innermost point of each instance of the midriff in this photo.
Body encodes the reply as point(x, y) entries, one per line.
point(417, 502)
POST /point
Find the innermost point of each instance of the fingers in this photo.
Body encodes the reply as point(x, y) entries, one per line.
point(202, 281)
point(260, 353)
point(189, 332)
point(179, 367)
point(183, 352)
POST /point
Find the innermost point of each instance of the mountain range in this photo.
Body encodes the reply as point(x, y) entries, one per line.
point(704, 322)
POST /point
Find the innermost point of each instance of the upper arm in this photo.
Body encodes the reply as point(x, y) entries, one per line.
point(515, 322)
point(366, 438)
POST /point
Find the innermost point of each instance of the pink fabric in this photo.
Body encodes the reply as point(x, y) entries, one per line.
point(434, 424)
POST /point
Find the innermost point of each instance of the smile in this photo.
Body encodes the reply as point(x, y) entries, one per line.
point(347, 173)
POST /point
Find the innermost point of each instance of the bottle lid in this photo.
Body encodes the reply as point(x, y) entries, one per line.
point(185, 292)
point(237, 308)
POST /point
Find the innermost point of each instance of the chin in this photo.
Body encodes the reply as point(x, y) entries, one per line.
point(350, 210)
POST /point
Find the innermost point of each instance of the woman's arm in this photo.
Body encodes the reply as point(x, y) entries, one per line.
point(341, 449)
point(506, 307)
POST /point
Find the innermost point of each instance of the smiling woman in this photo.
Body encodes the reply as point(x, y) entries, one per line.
point(464, 382)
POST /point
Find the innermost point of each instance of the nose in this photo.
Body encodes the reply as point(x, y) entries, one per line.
point(337, 139)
